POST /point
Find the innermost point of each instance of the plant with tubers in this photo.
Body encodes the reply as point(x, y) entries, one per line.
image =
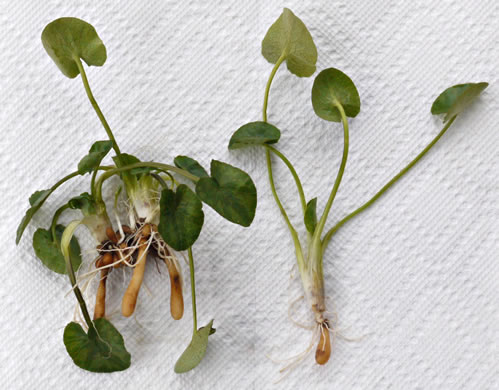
point(164, 218)
point(334, 98)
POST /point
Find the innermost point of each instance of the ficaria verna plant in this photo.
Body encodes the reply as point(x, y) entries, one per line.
point(335, 99)
point(164, 218)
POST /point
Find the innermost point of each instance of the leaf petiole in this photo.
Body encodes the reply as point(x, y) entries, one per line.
point(366, 205)
point(269, 83)
point(193, 292)
point(57, 214)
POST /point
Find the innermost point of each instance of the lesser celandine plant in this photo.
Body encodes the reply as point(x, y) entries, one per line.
point(164, 217)
point(334, 98)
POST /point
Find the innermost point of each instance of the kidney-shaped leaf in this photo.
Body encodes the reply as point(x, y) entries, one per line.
point(289, 37)
point(94, 157)
point(49, 252)
point(101, 350)
point(195, 351)
point(181, 217)
point(190, 165)
point(36, 201)
point(230, 192)
point(333, 87)
point(65, 39)
point(254, 133)
point(455, 99)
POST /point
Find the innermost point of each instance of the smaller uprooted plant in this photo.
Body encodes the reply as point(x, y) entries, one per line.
point(334, 98)
point(164, 217)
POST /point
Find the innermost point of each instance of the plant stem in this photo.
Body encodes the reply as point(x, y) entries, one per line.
point(193, 291)
point(269, 83)
point(159, 179)
point(96, 106)
point(366, 205)
point(322, 221)
point(293, 172)
point(55, 219)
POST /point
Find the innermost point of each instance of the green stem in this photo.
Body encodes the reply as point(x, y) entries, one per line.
point(269, 83)
point(193, 291)
point(341, 170)
point(55, 219)
point(293, 172)
point(96, 106)
point(159, 179)
point(106, 175)
point(366, 205)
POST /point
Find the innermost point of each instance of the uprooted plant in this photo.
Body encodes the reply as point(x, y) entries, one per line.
point(334, 98)
point(164, 218)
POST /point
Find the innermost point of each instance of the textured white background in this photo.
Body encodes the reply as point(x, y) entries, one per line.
point(418, 273)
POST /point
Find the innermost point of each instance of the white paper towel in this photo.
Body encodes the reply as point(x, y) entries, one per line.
point(418, 273)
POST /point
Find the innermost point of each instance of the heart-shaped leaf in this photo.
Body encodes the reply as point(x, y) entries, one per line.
point(49, 252)
point(254, 133)
point(190, 165)
point(181, 217)
point(94, 157)
point(195, 351)
point(101, 350)
point(84, 202)
point(67, 39)
point(289, 37)
point(36, 201)
point(333, 87)
point(230, 192)
point(455, 99)
point(311, 215)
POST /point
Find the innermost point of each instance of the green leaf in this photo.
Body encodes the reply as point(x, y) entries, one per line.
point(181, 217)
point(311, 215)
point(84, 202)
point(190, 165)
point(195, 351)
point(94, 157)
point(101, 350)
point(230, 192)
point(333, 87)
point(49, 252)
point(289, 37)
point(455, 99)
point(67, 39)
point(128, 159)
point(36, 201)
point(254, 133)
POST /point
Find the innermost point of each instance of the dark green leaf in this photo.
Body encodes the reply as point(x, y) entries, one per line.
point(230, 192)
point(311, 215)
point(66, 39)
point(190, 165)
point(84, 202)
point(36, 201)
point(288, 36)
point(101, 351)
point(195, 351)
point(128, 159)
point(94, 157)
point(455, 99)
point(49, 252)
point(181, 217)
point(333, 87)
point(254, 133)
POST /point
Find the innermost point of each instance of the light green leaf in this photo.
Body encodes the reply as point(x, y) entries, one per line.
point(455, 99)
point(94, 157)
point(101, 350)
point(190, 165)
point(66, 39)
point(49, 252)
point(333, 87)
point(254, 133)
point(311, 215)
point(289, 37)
point(181, 217)
point(36, 201)
point(195, 351)
point(230, 192)
point(84, 202)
